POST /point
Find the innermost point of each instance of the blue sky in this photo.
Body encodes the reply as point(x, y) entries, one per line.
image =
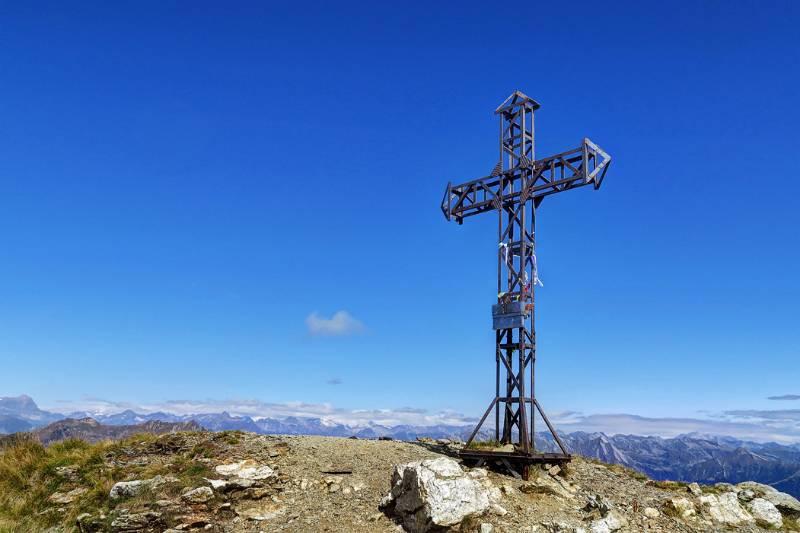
point(190, 192)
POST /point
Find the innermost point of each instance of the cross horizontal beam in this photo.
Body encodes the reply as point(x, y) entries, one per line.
point(584, 165)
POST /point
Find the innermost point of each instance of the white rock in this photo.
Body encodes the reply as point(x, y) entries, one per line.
point(765, 513)
point(758, 488)
point(613, 521)
point(486, 528)
point(260, 510)
point(498, 509)
point(548, 485)
point(126, 489)
point(437, 493)
point(695, 489)
point(247, 469)
point(725, 509)
point(785, 503)
point(651, 512)
point(566, 485)
point(681, 506)
point(230, 484)
point(198, 495)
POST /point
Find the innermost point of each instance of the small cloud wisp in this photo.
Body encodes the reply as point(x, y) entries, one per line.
point(789, 397)
point(340, 324)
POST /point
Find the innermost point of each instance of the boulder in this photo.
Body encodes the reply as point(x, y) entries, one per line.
point(498, 509)
point(651, 512)
point(545, 484)
point(765, 513)
point(230, 484)
point(758, 488)
point(437, 493)
point(694, 489)
point(612, 521)
point(198, 495)
point(785, 503)
point(247, 469)
point(595, 502)
point(681, 507)
point(260, 510)
point(126, 489)
point(725, 509)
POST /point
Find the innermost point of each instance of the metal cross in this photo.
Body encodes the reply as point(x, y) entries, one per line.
point(515, 188)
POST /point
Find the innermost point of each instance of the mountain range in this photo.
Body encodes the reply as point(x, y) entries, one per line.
point(691, 457)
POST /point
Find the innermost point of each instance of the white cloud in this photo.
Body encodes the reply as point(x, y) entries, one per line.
point(340, 324)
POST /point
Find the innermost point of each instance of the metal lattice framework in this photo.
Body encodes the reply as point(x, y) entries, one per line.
point(515, 189)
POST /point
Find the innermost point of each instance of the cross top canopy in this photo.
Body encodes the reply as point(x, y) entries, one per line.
point(517, 98)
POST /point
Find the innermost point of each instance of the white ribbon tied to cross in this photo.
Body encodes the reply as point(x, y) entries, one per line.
point(536, 281)
point(504, 246)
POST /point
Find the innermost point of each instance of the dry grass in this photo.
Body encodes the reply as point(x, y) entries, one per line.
point(483, 444)
point(29, 476)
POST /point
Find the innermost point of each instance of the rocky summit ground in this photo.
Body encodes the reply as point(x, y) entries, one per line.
point(243, 482)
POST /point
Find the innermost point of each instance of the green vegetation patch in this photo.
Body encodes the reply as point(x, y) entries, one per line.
point(31, 474)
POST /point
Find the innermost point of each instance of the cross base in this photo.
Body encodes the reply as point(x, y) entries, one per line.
point(517, 463)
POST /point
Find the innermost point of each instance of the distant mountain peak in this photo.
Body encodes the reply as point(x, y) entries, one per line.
point(24, 406)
